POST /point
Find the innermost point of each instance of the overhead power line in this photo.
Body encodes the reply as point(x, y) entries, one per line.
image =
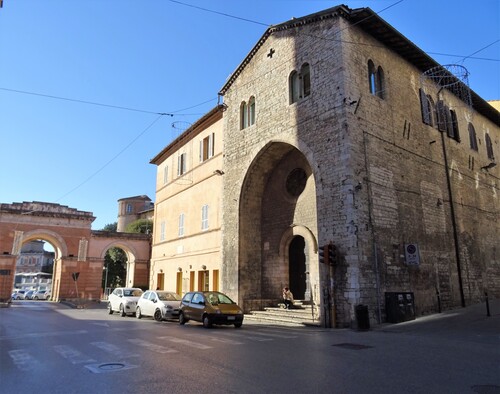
point(85, 102)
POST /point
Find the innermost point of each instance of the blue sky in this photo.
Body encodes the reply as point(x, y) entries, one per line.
point(162, 56)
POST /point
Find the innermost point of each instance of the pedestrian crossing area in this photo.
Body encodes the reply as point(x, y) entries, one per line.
point(130, 350)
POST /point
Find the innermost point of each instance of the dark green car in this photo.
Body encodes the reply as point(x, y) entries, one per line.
point(210, 307)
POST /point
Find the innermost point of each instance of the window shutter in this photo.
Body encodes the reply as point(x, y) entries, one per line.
point(424, 107)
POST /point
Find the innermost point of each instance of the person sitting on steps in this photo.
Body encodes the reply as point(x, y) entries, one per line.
point(287, 298)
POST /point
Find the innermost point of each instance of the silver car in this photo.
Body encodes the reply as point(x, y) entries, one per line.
point(161, 305)
point(124, 300)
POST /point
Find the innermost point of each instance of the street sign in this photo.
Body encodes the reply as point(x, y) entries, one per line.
point(75, 275)
point(412, 257)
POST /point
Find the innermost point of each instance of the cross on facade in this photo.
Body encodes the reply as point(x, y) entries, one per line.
point(271, 52)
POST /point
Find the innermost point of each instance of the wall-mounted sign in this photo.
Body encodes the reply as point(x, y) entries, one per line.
point(412, 257)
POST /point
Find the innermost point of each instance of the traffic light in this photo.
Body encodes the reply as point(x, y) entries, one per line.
point(323, 254)
point(332, 254)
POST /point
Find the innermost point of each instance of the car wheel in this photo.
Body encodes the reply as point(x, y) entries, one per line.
point(182, 319)
point(110, 309)
point(238, 325)
point(157, 316)
point(138, 313)
point(206, 322)
point(36, 298)
point(122, 311)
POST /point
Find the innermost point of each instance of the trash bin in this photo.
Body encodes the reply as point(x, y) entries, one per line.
point(362, 317)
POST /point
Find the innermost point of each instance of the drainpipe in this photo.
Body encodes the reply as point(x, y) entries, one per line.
point(453, 219)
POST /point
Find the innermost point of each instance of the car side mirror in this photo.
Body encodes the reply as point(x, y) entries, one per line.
point(154, 300)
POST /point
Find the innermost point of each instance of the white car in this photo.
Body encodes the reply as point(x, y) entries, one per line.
point(18, 295)
point(161, 305)
point(124, 300)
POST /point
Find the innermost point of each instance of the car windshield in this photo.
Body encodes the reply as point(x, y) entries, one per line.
point(132, 293)
point(169, 296)
point(218, 298)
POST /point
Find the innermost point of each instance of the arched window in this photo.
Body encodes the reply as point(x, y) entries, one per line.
point(294, 87)
point(305, 75)
point(425, 107)
point(376, 80)
point(453, 126)
point(432, 111)
point(372, 80)
point(472, 137)
point(251, 111)
point(441, 116)
point(243, 115)
point(489, 147)
point(380, 83)
point(300, 83)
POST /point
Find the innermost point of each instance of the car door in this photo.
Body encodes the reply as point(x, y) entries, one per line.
point(143, 303)
point(152, 300)
point(185, 304)
point(115, 300)
point(197, 306)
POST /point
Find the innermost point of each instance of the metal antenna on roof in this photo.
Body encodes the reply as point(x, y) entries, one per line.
point(452, 77)
point(180, 126)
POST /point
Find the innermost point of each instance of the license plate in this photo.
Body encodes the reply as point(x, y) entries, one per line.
point(231, 318)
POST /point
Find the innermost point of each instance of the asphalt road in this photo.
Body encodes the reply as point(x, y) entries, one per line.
point(50, 348)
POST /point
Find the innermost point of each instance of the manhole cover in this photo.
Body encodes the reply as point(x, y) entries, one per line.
point(486, 389)
point(109, 367)
point(352, 346)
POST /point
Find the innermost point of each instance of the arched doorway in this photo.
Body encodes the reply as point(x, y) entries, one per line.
point(297, 270)
point(277, 227)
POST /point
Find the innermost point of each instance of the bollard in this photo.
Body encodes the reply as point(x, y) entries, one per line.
point(487, 305)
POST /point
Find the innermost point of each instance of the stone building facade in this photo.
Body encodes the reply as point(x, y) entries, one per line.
point(336, 134)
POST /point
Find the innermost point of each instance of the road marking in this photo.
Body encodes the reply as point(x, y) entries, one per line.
point(225, 340)
point(43, 334)
point(114, 350)
point(187, 343)
point(268, 334)
point(23, 360)
point(72, 355)
point(152, 346)
point(252, 338)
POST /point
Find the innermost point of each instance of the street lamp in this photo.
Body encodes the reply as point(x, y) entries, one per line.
point(105, 279)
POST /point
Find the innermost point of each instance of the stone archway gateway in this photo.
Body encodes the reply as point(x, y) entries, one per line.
point(277, 217)
point(78, 249)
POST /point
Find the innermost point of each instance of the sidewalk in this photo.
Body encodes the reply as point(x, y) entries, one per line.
point(470, 322)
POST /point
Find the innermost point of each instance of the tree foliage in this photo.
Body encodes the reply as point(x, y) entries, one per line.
point(111, 227)
point(143, 226)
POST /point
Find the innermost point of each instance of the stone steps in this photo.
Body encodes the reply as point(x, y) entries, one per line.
point(299, 316)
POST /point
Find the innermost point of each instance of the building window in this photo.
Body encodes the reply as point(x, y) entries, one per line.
point(376, 80)
point(489, 147)
point(472, 137)
point(129, 208)
point(300, 83)
point(207, 147)
point(165, 175)
point(181, 225)
point(181, 164)
point(204, 217)
point(247, 113)
point(452, 126)
point(162, 231)
point(251, 111)
point(426, 106)
point(243, 115)
point(447, 121)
